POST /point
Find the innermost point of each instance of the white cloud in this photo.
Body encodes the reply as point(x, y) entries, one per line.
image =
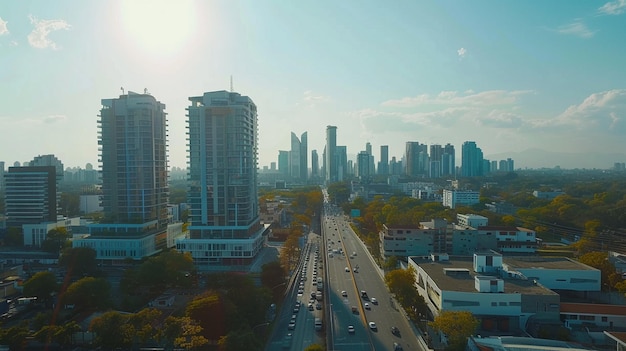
point(3, 27)
point(54, 118)
point(311, 99)
point(461, 52)
point(613, 8)
point(453, 98)
point(603, 111)
point(577, 28)
point(38, 38)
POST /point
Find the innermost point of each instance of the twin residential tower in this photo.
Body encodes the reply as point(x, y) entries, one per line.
point(225, 231)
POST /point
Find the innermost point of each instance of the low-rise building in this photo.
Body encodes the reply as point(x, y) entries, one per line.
point(503, 293)
point(453, 198)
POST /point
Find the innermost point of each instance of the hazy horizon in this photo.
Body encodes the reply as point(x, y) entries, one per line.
point(511, 76)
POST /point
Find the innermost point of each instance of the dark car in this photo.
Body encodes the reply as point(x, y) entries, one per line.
point(395, 331)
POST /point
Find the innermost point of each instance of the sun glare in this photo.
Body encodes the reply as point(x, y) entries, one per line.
point(158, 26)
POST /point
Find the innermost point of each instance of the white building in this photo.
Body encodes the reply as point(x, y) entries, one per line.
point(225, 230)
point(453, 198)
point(35, 234)
point(471, 220)
point(504, 293)
point(512, 239)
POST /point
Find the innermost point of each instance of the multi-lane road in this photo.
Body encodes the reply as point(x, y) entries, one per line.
point(342, 263)
point(352, 269)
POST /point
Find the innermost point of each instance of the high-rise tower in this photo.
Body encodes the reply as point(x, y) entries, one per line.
point(225, 228)
point(331, 160)
point(471, 160)
point(133, 150)
point(383, 164)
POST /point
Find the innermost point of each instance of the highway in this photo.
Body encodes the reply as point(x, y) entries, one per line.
point(341, 243)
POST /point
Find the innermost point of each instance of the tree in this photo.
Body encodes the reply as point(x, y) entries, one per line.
point(182, 332)
point(273, 277)
point(401, 283)
point(209, 311)
point(15, 336)
point(14, 237)
point(600, 260)
point(56, 239)
point(42, 285)
point(314, 347)
point(457, 326)
point(112, 330)
point(240, 339)
point(89, 293)
point(79, 261)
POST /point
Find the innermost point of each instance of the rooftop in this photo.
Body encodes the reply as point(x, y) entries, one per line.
point(463, 280)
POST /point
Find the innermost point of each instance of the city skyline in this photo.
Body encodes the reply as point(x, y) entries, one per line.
point(509, 76)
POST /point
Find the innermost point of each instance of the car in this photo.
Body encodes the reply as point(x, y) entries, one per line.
point(373, 326)
point(351, 329)
point(344, 293)
point(395, 331)
point(356, 270)
point(296, 309)
point(291, 326)
point(374, 301)
point(347, 269)
point(318, 306)
point(300, 291)
point(397, 347)
point(310, 306)
point(366, 306)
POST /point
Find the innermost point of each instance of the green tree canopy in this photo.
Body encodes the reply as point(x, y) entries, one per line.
point(79, 261)
point(457, 326)
point(42, 285)
point(89, 293)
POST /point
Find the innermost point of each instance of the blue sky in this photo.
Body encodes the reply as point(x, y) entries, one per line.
point(509, 75)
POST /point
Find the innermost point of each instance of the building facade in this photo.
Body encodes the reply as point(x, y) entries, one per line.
point(225, 228)
point(30, 195)
point(133, 154)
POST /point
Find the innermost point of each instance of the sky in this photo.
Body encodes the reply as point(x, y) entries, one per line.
point(509, 75)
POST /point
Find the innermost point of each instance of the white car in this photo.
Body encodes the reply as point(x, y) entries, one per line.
point(373, 326)
point(374, 301)
point(344, 293)
point(351, 329)
point(347, 269)
point(366, 305)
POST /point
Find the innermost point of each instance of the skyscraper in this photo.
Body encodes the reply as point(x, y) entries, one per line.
point(134, 162)
point(133, 154)
point(315, 164)
point(225, 229)
point(383, 164)
point(471, 160)
point(448, 166)
point(298, 165)
point(331, 161)
point(416, 158)
point(294, 157)
point(283, 162)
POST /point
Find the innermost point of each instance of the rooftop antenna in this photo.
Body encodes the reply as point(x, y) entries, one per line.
point(122, 90)
point(145, 91)
point(231, 83)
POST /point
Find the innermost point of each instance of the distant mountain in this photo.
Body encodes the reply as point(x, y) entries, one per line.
point(538, 158)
